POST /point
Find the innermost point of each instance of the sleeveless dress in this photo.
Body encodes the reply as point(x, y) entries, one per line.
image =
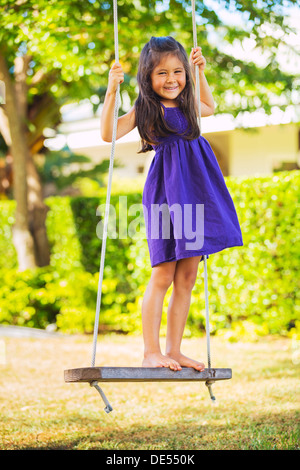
point(187, 207)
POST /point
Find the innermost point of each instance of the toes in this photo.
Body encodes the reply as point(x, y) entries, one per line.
point(170, 365)
point(173, 366)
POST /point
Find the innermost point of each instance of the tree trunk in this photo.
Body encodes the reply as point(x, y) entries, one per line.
point(37, 216)
point(37, 209)
point(22, 237)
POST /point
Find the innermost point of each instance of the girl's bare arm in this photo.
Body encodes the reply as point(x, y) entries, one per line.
point(126, 122)
point(206, 98)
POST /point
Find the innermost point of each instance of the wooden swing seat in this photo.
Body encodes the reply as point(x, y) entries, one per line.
point(144, 374)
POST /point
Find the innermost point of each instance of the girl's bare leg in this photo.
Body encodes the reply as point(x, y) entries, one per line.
point(184, 281)
point(161, 279)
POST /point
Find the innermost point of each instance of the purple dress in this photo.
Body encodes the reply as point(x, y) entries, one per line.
point(187, 207)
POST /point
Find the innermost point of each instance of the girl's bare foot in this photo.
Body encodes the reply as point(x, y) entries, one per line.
point(186, 361)
point(159, 360)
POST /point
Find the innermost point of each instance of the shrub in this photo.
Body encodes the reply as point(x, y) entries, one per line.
point(253, 290)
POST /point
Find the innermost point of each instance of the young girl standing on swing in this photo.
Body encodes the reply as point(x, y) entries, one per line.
point(184, 173)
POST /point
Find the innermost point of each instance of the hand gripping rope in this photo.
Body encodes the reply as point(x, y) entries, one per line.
point(208, 383)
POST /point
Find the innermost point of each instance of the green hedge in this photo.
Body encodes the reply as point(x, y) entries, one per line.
point(253, 290)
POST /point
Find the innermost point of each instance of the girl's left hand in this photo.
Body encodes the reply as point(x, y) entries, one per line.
point(196, 58)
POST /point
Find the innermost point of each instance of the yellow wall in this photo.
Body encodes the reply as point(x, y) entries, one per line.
point(220, 143)
point(260, 150)
point(239, 153)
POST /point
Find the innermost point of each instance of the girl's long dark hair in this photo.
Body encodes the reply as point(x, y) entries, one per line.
point(149, 116)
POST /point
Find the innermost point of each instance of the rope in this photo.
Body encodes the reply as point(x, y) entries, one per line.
point(111, 165)
point(197, 66)
point(205, 256)
point(108, 407)
point(207, 315)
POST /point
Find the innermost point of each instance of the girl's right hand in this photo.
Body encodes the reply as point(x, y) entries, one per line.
point(116, 76)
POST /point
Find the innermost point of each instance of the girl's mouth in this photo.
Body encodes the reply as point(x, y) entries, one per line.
point(171, 88)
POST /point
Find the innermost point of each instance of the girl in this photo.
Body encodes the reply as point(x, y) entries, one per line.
point(184, 177)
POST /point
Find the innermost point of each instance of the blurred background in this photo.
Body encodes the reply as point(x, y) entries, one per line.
point(54, 63)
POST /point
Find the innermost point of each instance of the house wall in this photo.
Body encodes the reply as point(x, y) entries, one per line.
point(220, 144)
point(259, 151)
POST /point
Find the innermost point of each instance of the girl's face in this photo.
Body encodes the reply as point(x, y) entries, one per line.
point(168, 78)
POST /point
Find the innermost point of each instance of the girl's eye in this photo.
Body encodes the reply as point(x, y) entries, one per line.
point(163, 73)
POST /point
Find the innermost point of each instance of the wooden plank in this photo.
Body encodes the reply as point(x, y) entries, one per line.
point(144, 374)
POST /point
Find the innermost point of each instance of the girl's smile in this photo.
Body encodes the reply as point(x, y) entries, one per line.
point(168, 78)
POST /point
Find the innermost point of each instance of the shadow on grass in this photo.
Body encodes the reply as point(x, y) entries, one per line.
point(262, 432)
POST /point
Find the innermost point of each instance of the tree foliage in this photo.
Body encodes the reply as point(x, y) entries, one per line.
point(58, 51)
point(71, 45)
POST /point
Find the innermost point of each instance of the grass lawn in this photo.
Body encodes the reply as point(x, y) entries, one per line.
point(258, 409)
